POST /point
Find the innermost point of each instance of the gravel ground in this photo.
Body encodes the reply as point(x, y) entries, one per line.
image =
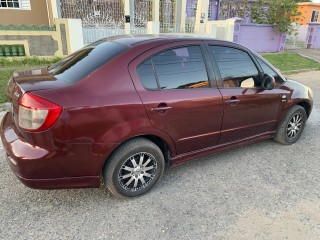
point(261, 191)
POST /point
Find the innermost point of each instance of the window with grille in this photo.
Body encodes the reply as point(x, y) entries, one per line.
point(9, 3)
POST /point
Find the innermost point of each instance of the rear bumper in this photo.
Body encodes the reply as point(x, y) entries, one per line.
point(57, 183)
point(67, 166)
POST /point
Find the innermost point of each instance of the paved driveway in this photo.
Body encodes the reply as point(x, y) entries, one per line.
point(261, 191)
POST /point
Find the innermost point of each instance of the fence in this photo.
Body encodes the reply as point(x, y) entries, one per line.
point(93, 34)
point(298, 39)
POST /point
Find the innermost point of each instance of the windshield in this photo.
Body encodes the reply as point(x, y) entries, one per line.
point(81, 63)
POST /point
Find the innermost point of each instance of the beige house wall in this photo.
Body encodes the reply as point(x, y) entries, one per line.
point(38, 15)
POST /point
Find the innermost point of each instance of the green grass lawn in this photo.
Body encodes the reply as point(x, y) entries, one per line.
point(4, 77)
point(288, 61)
point(26, 62)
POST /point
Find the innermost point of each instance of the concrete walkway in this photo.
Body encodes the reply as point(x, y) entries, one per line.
point(310, 53)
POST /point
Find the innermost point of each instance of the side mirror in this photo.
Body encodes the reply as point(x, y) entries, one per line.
point(268, 82)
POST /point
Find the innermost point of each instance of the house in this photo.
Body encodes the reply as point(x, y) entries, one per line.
point(27, 12)
point(310, 12)
point(29, 28)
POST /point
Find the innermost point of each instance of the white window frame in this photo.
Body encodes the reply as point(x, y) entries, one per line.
point(23, 5)
point(13, 8)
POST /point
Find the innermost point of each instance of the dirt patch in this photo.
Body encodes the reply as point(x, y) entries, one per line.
point(300, 222)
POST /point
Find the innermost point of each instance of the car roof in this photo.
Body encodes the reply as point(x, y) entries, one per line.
point(133, 40)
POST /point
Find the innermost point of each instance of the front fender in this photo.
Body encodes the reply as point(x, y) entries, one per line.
point(297, 94)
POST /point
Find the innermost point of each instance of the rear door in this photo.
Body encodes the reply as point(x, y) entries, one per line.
point(179, 93)
point(249, 109)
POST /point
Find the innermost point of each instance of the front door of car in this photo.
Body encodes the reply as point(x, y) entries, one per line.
point(249, 109)
point(180, 98)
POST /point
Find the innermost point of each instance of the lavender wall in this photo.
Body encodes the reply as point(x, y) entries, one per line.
point(214, 10)
point(259, 37)
point(314, 35)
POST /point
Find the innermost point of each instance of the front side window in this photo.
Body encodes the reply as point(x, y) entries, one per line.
point(315, 15)
point(236, 67)
point(9, 3)
point(267, 70)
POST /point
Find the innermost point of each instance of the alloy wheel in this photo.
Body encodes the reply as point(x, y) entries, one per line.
point(295, 125)
point(137, 171)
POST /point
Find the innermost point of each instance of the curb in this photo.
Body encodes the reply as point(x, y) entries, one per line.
point(305, 56)
point(300, 71)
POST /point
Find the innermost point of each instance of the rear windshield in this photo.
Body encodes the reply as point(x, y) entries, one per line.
point(81, 63)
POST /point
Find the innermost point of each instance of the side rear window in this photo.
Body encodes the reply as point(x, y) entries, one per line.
point(147, 76)
point(179, 68)
point(81, 63)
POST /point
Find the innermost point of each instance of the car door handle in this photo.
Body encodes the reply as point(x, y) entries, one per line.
point(233, 101)
point(160, 109)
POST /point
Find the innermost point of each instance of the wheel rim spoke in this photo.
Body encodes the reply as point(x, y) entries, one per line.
point(136, 180)
point(134, 163)
point(148, 168)
point(126, 176)
point(142, 180)
point(130, 180)
point(147, 162)
point(148, 175)
point(127, 168)
point(141, 159)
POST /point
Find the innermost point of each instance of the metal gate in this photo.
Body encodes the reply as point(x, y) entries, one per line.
point(191, 11)
point(100, 18)
point(167, 16)
point(142, 14)
point(299, 38)
point(230, 9)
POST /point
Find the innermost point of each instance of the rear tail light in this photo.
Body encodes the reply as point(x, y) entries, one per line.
point(37, 114)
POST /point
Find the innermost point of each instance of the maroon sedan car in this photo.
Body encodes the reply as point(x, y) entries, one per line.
point(122, 108)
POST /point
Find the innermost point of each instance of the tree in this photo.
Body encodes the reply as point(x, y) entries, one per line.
point(282, 13)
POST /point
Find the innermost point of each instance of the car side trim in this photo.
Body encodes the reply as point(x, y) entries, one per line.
point(179, 159)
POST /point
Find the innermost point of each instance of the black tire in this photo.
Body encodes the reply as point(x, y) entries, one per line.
point(128, 156)
point(285, 133)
